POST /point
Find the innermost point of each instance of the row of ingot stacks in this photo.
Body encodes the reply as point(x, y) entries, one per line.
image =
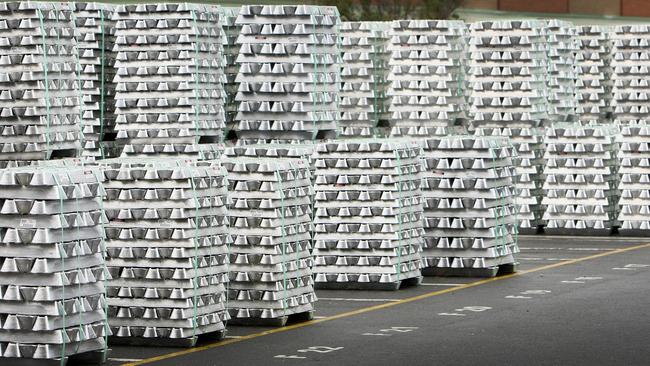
point(52, 294)
point(630, 65)
point(469, 206)
point(167, 249)
point(507, 81)
point(426, 78)
point(39, 101)
point(230, 51)
point(270, 215)
point(368, 214)
point(581, 179)
point(169, 79)
point(363, 75)
point(289, 72)
point(561, 78)
point(593, 73)
point(634, 184)
point(94, 32)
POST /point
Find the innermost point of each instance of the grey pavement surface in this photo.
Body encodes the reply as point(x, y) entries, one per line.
point(591, 312)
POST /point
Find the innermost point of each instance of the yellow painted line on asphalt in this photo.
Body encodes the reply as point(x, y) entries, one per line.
point(379, 307)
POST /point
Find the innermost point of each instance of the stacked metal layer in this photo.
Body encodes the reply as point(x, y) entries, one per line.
point(368, 214)
point(52, 303)
point(95, 37)
point(269, 207)
point(507, 73)
point(630, 65)
point(593, 73)
point(561, 47)
point(230, 50)
point(507, 81)
point(362, 100)
point(469, 206)
point(39, 97)
point(169, 78)
point(289, 72)
point(167, 251)
point(634, 184)
point(580, 187)
point(426, 78)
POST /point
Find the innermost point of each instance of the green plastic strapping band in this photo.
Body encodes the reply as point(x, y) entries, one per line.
point(47, 82)
point(63, 276)
point(337, 62)
point(499, 211)
point(513, 153)
point(195, 261)
point(78, 224)
point(82, 137)
point(225, 191)
point(314, 91)
point(102, 250)
point(400, 214)
point(284, 239)
point(375, 86)
point(102, 86)
point(196, 77)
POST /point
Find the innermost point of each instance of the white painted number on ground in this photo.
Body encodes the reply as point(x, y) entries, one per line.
point(474, 309)
point(320, 349)
point(631, 267)
point(317, 349)
point(385, 332)
point(582, 279)
point(528, 292)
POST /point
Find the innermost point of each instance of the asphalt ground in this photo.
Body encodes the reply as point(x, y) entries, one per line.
point(574, 301)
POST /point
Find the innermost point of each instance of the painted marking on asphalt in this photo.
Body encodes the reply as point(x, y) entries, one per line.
point(441, 284)
point(391, 329)
point(583, 279)
point(570, 249)
point(355, 299)
point(384, 305)
point(320, 317)
point(631, 267)
point(125, 359)
point(233, 337)
point(544, 259)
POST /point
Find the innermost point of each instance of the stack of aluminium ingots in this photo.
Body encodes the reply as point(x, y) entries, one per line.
point(363, 77)
point(469, 206)
point(427, 75)
point(52, 282)
point(94, 32)
point(270, 215)
point(368, 214)
point(581, 179)
point(561, 48)
point(507, 81)
point(289, 73)
point(630, 65)
point(167, 243)
point(169, 98)
point(230, 51)
point(39, 98)
point(593, 73)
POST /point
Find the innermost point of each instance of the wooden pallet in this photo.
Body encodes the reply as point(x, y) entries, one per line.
point(168, 342)
point(580, 232)
point(274, 322)
point(471, 272)
point(372, 286)
point(638, 233)
point(531, 230)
